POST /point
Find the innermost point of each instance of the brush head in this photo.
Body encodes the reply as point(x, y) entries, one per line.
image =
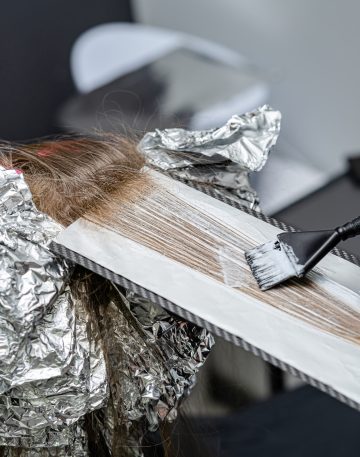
point(272, 263)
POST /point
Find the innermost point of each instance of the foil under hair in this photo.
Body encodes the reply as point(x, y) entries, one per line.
point(125, 364)
point(51, 371)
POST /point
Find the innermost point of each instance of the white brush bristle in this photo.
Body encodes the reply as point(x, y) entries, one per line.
point(270, 264)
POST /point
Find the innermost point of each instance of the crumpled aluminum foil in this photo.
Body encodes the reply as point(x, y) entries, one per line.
point(183, 347)
point(221, 157)
point(76, 446)
point(51, 371)
point(154, 358)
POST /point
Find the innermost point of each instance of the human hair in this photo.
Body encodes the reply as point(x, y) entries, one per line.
point(68, 177)
point(103, 179)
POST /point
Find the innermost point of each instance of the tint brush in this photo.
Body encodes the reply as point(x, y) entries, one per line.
point(293, 254)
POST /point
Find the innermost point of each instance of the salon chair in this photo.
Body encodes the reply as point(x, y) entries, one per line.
point(132, 76)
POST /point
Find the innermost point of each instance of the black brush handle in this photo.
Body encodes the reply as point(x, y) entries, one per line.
point(349, 229)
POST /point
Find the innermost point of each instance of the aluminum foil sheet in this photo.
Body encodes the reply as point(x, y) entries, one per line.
point(153, 363)
point(76, 446)
point(51, 371)
point(221, 157)
point(126, 442)
point(183, 347)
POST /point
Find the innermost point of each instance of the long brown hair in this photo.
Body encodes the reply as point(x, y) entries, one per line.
point(70, 176)
point(100, 178)
point(67, 178)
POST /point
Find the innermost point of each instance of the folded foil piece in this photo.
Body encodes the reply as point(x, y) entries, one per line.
point(220, 157)
point(153, 360)
point(51, 371)
point(75, 445)
point(183, 348)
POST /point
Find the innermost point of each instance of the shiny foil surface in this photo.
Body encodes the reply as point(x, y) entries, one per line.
point(51, 371)
point(153, 361)
point(76, 445)
point(52, 365)
point(220, 157)
point(161, 355)
point(183, 348)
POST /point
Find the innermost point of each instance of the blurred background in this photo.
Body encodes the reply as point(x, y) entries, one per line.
point(132, 66)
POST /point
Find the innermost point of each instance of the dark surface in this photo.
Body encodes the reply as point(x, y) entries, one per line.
point(329, 207)
point(36, 38)
point(354, 164)
point(301, 423)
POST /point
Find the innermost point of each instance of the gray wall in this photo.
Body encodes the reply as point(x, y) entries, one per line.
point(307, 49)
